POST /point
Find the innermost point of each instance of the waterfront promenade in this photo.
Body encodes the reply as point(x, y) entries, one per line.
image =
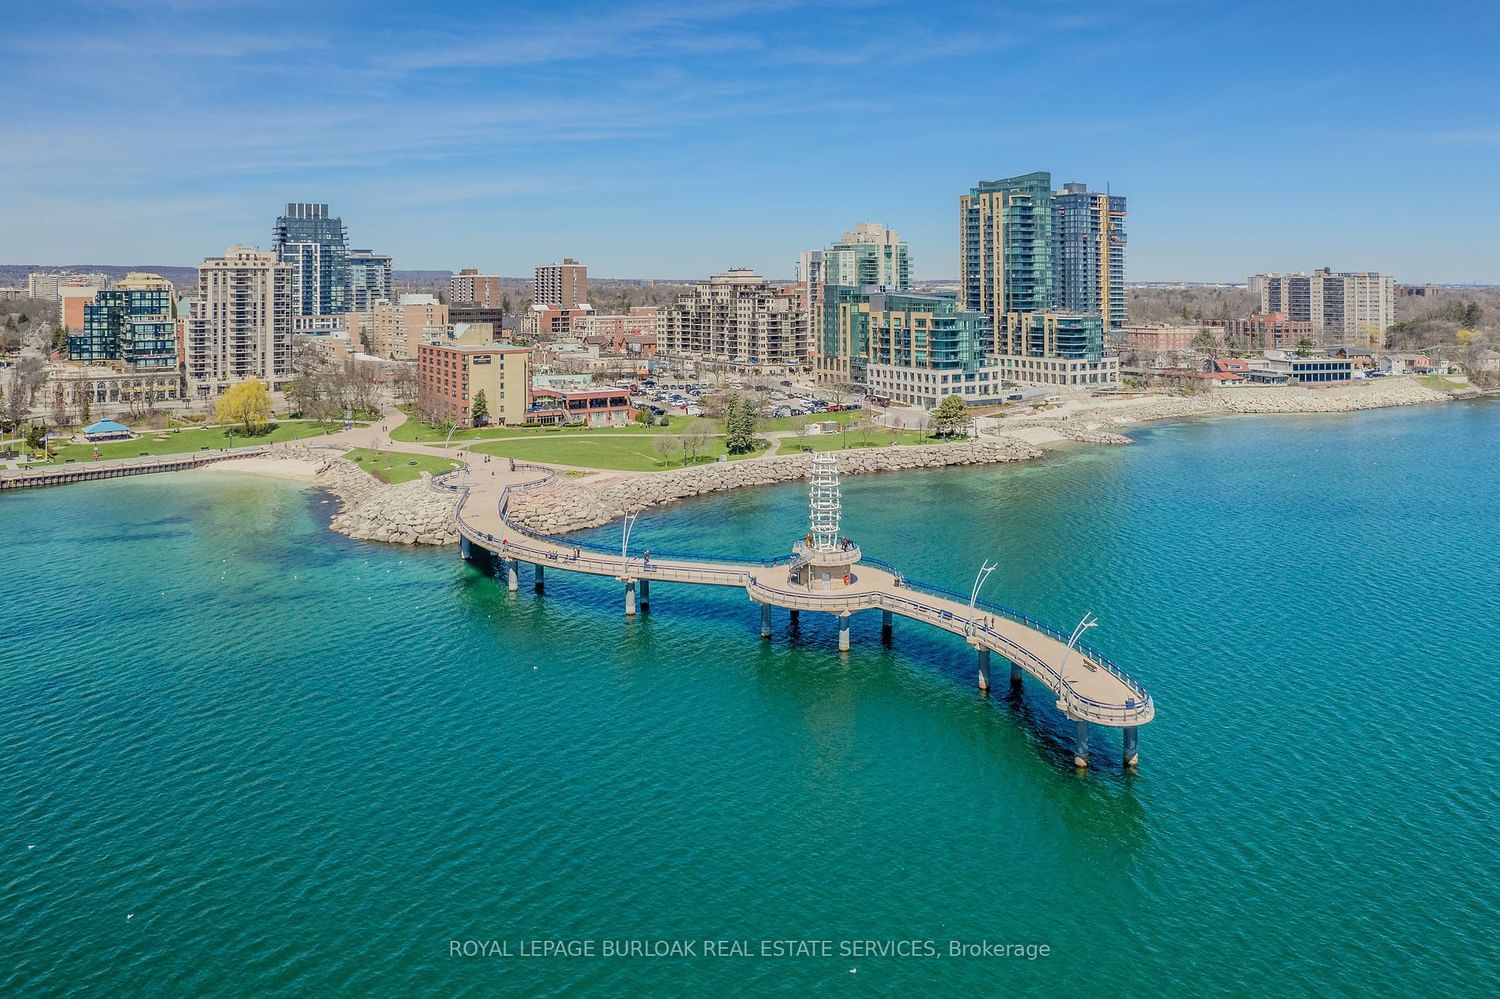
point(1089, 689)
point(57, 475)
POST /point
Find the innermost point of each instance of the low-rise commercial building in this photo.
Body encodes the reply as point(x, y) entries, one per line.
point(607, 407)
point(1311, 370)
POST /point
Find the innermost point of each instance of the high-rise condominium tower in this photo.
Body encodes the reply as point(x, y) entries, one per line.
point(561, 286)
point(317, 247)
point(1088, 253)
point(241, 324)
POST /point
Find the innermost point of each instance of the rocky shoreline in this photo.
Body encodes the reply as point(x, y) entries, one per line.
point(415, 513)
point(574, 505)
point(409, 513)
point(1089, 424)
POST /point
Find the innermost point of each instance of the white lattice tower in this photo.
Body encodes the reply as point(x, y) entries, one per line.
point(823, 503)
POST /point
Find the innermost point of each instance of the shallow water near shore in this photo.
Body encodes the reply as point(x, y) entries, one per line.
point(240, 753)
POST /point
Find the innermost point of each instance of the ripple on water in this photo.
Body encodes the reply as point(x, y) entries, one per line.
point(306, 763)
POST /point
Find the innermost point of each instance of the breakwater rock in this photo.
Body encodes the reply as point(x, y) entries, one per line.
point(409, 513)
point(573, 505)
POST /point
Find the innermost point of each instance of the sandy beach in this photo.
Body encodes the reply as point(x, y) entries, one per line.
point(291, 469)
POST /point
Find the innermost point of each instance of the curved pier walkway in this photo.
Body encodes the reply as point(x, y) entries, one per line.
point(1089, 688)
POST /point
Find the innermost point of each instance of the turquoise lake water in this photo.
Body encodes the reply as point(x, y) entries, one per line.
point(303, 765)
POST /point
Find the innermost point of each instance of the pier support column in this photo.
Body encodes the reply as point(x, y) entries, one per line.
point(885, 627)
point(1081, 743)
point(645, 594)
point(1132, 753)
point(765, 620)
point(795, 619)
point(463, 549)
point(630, 598)
point(984, 671)
point(1015, 677)
point(844, 632)
point(539, 568)
point(512, 575)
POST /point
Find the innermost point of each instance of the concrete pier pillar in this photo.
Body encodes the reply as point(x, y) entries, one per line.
point(795, 619)
point(984, 671)
point(1081, 743)
point(885, 627)
point(765, 620)
point(645, 594)
point(463, 549)
point(512, 575)
point(630, 598)
point(1132, 753)
point(539, 568)
point(844, 632)
point(1015, 677)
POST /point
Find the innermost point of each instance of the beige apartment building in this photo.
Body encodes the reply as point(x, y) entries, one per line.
point(1350, 307)
point(561, 286)
point(241, 322)
point(396, 329)
point(738, 318)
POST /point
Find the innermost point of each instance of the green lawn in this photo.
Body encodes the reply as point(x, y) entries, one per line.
point(623, 453)
point(397, 466)
point(796, 422)
point(1441, 384)
point(156, 442)
point(414, 431)
point(835, 442)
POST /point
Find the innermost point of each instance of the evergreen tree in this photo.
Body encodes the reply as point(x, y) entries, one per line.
point(951, 415)
point(739, 425)
point(480, 413)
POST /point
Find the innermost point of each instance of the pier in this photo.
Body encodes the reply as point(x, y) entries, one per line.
point(823, 573)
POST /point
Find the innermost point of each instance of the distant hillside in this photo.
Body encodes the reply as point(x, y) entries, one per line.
point(15, 274)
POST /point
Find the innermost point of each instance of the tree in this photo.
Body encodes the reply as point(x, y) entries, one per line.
point(665, 444)
point(1304, 347)
point(739, 425)
point(1205, 342)
point(59, 404)
point(951, 415)
point(695, 440)
point(34, 434)
point(84, 399)
point(247, 403)
point(17, 401)
point(479, 413)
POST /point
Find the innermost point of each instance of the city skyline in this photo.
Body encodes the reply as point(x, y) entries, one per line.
point(625, 136)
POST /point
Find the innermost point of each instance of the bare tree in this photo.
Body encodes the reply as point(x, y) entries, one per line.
point(665, 445)
point(695, 440)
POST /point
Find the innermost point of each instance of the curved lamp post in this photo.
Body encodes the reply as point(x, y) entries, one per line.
point(985, 568)
point(1084, 624)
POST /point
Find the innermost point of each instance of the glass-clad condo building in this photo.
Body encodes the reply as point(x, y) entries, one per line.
point(135, 322)
point(317, 247)
point(1088, 253)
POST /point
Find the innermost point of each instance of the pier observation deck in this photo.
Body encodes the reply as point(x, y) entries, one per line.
point(1089, 689)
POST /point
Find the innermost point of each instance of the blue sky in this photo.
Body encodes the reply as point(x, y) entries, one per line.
point(677, 139)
